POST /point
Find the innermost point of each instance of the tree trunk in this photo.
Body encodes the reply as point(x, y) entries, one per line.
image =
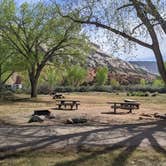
point(34, 77)
point(33, 88)
point(0, 78)
point(160, 63)
point(33, 82)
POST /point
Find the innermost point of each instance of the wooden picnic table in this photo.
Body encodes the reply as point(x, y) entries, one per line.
point(70, 104)
point(58, 96)
point(124, 105)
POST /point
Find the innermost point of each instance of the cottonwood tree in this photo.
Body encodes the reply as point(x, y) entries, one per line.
point(138, 21)
point(75, 75)
point(39, 35)
point(51, 76)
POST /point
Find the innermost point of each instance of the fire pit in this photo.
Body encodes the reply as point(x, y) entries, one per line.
point(41, 115)
point(76, 120)
point(42, 112)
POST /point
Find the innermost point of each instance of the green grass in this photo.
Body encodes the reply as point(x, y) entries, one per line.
point(120, 157)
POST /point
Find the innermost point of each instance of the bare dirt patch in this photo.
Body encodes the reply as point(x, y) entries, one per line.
point(93, 106)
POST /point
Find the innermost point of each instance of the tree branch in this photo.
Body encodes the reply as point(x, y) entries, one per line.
point(97, 24)
point(4, 81)
point(124, 6)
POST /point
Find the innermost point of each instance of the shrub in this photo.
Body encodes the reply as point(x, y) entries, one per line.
point(142, 82)
point(114, 83)
point(158, 83)
point(146, 88)
point(75, 76)
point(44, 89)
point(6, 95)
point(101, 76)
point(83, 89)
point(141, 94)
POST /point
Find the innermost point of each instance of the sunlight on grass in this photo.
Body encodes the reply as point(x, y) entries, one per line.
point(97, 158)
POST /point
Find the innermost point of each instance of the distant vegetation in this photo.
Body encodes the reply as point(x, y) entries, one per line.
point(75, 78)
point(101, 76)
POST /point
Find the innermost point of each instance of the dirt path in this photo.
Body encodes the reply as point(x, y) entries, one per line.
point(15, 139)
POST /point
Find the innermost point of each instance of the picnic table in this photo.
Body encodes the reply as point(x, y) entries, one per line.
point(58, 96)
point(128, 105)
point(68, 104)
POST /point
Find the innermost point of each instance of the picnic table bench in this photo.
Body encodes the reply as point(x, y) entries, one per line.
point(128, 105)
point(68, 104)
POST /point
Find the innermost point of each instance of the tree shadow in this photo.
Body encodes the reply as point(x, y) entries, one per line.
point(26, 100)
point(117, 113)
point(133, 135)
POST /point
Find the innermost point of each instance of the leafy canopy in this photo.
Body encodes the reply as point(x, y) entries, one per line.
point(37, 32)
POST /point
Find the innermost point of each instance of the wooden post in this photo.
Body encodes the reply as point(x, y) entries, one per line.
point(114, 108)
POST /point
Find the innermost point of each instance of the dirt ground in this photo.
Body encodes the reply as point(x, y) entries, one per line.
point(93, 106)
point(104, 129)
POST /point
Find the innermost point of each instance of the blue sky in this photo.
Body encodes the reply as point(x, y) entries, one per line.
point(21, 1)
point(140, 53)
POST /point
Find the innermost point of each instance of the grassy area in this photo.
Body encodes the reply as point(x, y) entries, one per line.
point(120, 157)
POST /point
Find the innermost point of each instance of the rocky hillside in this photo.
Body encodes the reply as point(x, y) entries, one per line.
point(121, 70)
point(150, 66)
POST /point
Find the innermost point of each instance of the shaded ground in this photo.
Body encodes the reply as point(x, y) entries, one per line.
point(122, 134)
point(17, 139)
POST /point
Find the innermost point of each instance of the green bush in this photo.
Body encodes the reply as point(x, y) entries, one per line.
point(158, 83)
point(75, 76)
point(142, 82)
point(83, 89)
point(44, 89)
point(141, 94)
point(6, 95)
point(101, 76)
point(146, 88)
point(114, 83)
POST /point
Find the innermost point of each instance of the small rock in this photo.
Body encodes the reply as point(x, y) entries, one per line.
point(35, 118)
point(52, 116)
point(69, 121)
point(140, 118)
point(147, 115)
point(156, 115)
point(76, 120)
point(154, 94)
point(79, 120)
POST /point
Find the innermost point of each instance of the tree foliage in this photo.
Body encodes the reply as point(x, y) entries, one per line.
point(101, 75)
point(52, 76)
point(10, 62)
point(143, 82)
point(38, 35)
point(75, 75)
point(114, 83)
point(158, 83)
